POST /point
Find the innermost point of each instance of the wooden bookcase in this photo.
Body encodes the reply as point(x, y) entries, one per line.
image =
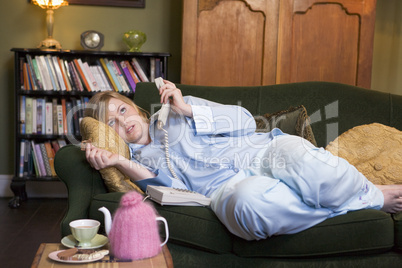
point(73, 96)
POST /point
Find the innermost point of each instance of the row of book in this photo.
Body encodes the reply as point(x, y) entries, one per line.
point(47, 72)
point(38, 158)
point(51, 116)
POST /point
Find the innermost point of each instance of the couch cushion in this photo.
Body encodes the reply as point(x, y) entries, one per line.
point(357, 232)
point(364, 231)
point(398, 230)
point(197, 227)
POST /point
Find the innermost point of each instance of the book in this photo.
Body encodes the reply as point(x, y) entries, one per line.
point(132, 72)
point(81, 75)
point(21, 73)
point(34, 114)
point(108, 85)
point(38, 74)
point(28, 115)
point(26, 77)
point(50, 155)
point(22, 158)
point(59, 75)
point(112, 72)
point(55, 146)
point(177, 197)
point(35, 167)
point(69, 117)
point(52, 73)
point(90, 77)
point(80, 107)
point(35, 80)
point(47, 83)
point(159, 68)
point(105, 68)
point(40, 116)
point(32, 85)
point(60, 123)
point(76, 78)
point(28, 162)
point(45, 159)
point(64, 74)
point(38, 160)
point(64, 114)
point(102, 86)
point(140, 71)
point(75, 110)
point(54, 116)
point(41, 164)
point(120, 77)
point(128, 75)
point(152, 69)
point(68, 73)
point(22, 114)
point(49, 118)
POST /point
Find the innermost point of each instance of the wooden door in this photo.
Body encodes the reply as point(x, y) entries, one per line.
point(326, 41)
point(263, 42)
point(229, 42)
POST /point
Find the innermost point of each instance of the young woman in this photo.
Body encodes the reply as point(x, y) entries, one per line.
point(261, 184)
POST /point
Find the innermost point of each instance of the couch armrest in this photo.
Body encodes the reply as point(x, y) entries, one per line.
point(81, 180)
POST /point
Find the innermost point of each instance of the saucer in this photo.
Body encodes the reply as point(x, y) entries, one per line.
point(97, 242)
point(53, 256)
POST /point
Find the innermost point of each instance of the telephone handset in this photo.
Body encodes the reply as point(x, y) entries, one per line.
point(162, 118)
point(164, 112)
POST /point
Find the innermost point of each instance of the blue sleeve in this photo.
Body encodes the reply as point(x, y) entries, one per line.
point(161, 179)
point(214, 118)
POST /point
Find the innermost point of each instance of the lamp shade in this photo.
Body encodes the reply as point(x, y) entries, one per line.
point(50, 4)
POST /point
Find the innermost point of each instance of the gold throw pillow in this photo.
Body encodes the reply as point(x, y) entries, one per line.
point(374, 149)
point(103, 136)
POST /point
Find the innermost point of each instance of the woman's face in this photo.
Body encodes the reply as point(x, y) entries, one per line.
point(127, 122)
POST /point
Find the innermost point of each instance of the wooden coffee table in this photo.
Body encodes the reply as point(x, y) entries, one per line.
point(164, 259)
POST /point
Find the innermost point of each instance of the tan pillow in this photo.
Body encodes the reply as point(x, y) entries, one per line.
point(294, 121)
point(374, 149)
point(103, 136)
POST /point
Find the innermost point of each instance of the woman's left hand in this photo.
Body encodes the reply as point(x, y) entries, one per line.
point(169, 92)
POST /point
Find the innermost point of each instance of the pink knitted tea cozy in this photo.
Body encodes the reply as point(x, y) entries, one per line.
point(134, 234)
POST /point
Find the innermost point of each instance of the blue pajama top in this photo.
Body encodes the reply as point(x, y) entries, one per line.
point(205, 150)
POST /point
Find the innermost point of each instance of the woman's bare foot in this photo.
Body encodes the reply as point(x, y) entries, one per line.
point(392, 198)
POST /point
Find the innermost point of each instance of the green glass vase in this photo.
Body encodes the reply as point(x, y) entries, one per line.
point(134, 40)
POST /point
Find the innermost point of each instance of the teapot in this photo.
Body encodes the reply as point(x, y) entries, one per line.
point(134, 233)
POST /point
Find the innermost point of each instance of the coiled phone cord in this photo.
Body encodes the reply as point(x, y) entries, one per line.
point(167, 155)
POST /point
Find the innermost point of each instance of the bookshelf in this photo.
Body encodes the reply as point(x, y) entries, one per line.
point(51, 88)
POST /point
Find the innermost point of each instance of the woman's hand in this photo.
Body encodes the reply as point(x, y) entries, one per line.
point(99, 158)
point(169, 92)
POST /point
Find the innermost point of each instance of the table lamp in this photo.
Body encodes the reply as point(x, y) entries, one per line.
point(50, 5)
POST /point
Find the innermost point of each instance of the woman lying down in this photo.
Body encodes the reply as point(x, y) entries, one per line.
point(260, 184)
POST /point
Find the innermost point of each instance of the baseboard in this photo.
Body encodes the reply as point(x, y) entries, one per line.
point(35, 189)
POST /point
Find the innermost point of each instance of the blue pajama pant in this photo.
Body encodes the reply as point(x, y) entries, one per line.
point(292, 187)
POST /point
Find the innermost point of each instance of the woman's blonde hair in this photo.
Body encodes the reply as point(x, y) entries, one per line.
point(97, 106)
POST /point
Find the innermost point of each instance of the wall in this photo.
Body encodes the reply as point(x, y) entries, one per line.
point(387, 58)
point(23, 26)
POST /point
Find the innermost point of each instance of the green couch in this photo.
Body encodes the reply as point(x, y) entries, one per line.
point(367, 238)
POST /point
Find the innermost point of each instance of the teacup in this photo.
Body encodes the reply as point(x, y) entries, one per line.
point(84, 231)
